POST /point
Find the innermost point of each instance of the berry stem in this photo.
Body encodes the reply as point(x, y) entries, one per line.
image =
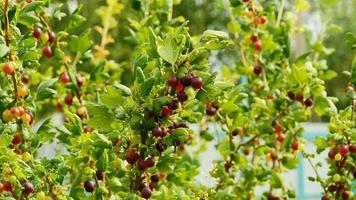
point(44, 22)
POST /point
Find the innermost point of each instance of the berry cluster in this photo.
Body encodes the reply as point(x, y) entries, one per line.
point(179, 85)
point(300, 97)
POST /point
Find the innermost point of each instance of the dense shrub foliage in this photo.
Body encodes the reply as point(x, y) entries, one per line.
point(135, 128)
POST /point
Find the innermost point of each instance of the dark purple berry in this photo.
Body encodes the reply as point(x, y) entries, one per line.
point(291, 95)
point(99, 175)
point(28, 188)
point(155, 178)
point(308, 102)
point(211, 111)
point(150, 162)
point(161, 146)
point(174, 104)
point(142, 165)
point(157, 131)
point(352, 148)
point(89, 186)
point(182, 96)
point(299, 97)
point(132, 157)
point(146, 193)
point(227, 166)
point(187, 79)
point(197, 83)
point(257, 69)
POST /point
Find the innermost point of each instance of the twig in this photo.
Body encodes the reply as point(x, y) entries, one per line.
point(317, 175)
point(8, 42)
point(280, 13)
point(7, 35)
point(246, 143)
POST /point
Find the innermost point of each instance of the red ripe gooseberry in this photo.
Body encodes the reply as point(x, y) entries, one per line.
point(172, 81)
point(8, 69)
point(132, 156)
point(294, 146)
point(257, 45)
point(166, 111)
point(343, 150)
point(37, 32)
point(47, 52)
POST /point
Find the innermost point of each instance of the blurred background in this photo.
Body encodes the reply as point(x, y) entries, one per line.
point(325, 20)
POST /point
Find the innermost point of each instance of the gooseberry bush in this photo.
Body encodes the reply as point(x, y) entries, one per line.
point(126, 127)
point(340, 144)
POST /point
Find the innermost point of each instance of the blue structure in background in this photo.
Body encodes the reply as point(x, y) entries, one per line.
point(301, 177)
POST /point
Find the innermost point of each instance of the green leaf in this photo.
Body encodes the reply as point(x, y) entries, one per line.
point(28, 19)
point(101, 141)
point(147, 86)
point(125, 91)
point(140, 76)
point(168, 49)
point(4, 50)
point(235, 3)
point(101, 117)
point(32, 6)
point(152, 37)
point(31, 56)
point(206, 135)
point(75, 127)
point(290, 162)
point(321, 144)
point(299, 73)
point(97, 72)
point(324, 105)
point(224, 85)
point(112, 98)
point(82, 43)
point(350, 40)
point(215, 40)
point(28, 43)
point(44, 91)
point(328, 75)
point(276, 180)
point(102, 162)
point(229, 107)
point(115, 184)
point(179, 134)
point(75, 19)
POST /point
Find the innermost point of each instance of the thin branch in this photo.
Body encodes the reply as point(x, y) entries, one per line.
point(8, 42)
point(317, 174)
point(7, 34)
point(247, 142)
point(280, 13)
